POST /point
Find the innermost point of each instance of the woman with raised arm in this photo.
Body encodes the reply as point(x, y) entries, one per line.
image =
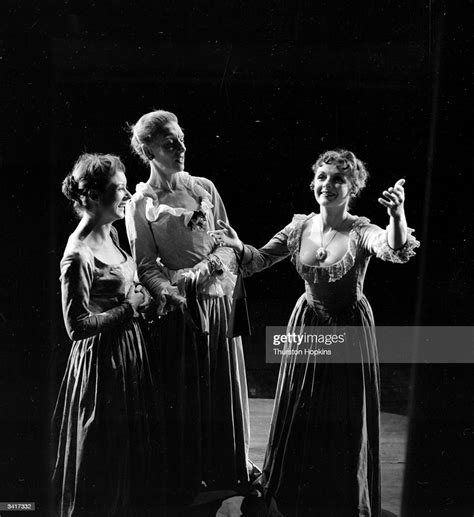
point(106, 417)
point(322, 457)
point(192, 280)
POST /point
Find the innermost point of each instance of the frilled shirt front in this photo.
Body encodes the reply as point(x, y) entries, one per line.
point(167, 242)
point(206, 405)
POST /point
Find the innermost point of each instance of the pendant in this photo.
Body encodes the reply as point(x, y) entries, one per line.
point(321, 254)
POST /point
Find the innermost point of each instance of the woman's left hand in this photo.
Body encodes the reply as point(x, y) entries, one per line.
point(394, 199)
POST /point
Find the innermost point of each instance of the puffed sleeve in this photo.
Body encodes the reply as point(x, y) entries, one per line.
point(76, 282)
point(144, 249)
point(374, 240)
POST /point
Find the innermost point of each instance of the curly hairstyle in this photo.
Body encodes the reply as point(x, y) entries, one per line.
point(345, 161)
point(92, 171)
point(147, 128)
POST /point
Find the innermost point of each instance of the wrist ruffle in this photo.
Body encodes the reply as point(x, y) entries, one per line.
point(401, 255)
point(214, 286)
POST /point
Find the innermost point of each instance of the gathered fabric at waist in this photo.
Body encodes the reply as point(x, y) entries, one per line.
point(353, 310)
point(331, 302)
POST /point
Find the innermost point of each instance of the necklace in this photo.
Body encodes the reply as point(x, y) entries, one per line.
point(321, 252)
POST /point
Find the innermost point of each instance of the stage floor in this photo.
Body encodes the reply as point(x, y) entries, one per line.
point(392, 448)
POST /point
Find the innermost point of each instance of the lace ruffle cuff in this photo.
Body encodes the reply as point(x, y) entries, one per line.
point(216, 285)
point(401, 255)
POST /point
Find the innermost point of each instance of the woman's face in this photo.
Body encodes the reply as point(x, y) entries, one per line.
point(168, 149)
point(113, 199)
point(331, 187)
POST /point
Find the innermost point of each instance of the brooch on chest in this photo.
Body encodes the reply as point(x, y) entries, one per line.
point(198, 221)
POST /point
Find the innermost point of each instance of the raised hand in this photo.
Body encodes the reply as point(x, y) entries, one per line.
point(227, 236)
point(394, 199)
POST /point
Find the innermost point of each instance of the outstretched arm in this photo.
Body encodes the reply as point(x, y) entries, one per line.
point(221, 258)
point(251, 259)
point(393, 200)
point(396, 243)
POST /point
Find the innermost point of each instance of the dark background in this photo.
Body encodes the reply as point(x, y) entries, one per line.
point(261, 89)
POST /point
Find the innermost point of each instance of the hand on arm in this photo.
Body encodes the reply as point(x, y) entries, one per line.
point(393, 200)
point(227, 236)
point(251, 259)
point(222, 255)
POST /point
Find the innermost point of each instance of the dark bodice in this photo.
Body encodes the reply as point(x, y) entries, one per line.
point(93, 293)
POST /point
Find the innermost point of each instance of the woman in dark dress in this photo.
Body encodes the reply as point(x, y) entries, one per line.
point(322, 457)
point(106, 418)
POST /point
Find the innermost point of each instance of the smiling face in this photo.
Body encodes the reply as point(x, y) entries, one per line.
point(168, 149)
point(331, 186)
point(113, 199)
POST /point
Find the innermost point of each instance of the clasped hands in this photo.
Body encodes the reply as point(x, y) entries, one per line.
point(139, 298)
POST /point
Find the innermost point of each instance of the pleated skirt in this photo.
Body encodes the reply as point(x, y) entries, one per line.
point(323, 452)
point(206, 403)
point(106, 428)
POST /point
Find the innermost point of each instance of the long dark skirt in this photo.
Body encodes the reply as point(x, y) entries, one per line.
point(107, 428)
point(323, 453)
point(206, 403)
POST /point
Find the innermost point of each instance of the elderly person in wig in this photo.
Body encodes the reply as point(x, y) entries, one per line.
point(202, 367)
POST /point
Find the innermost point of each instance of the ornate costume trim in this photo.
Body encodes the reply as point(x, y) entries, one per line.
point(217, 286)
point(216, 267)
point(379, 247)
point(317, 274)
point(401, 255)
point(192, 219)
